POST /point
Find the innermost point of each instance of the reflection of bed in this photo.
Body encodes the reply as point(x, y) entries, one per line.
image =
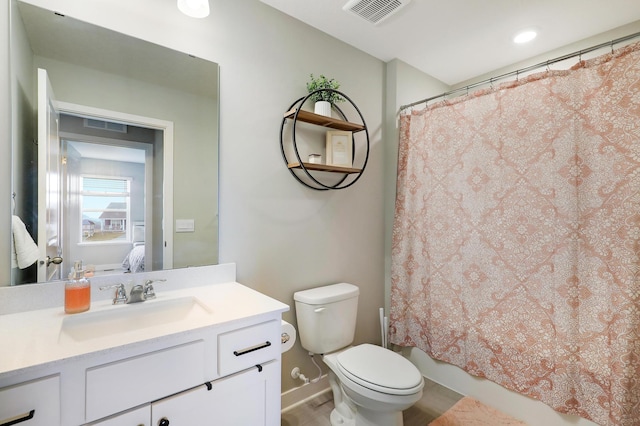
point(134, 260)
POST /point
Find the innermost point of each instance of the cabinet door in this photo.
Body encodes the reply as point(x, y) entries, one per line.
point(35, 403)
point(137, 417)
point(131, 382)
point(242, 399)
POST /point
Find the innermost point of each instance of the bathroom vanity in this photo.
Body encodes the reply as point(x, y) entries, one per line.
point(209, 351)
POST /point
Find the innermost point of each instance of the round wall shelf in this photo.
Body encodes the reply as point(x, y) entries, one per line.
point(314, 175)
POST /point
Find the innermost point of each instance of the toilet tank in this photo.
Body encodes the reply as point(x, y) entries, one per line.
point(327, 317)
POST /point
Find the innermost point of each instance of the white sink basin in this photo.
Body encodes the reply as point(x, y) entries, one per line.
point(133, 317)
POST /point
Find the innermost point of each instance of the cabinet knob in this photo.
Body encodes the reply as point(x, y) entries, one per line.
point(163, 422)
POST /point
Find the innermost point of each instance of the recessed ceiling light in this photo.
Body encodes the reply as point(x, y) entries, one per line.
point(194, 8)
point(525, 36)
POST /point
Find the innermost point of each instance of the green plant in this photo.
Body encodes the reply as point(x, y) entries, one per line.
point(323, 82)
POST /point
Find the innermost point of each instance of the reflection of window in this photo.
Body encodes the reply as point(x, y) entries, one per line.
point(105, 209)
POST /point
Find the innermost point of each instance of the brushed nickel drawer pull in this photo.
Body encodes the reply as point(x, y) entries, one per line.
point(252, 348)
point(19, 419)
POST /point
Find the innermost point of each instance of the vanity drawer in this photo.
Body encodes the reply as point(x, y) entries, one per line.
point(120, 385)
point(246, 347)
point(36, 402)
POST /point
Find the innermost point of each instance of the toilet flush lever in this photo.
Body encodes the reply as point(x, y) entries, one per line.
point(318, 310)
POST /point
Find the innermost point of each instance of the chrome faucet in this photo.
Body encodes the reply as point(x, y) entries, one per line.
point(138, 293)
point(120, 294)
point(148, 291)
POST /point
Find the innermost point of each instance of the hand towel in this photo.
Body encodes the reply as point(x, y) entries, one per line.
point(25, 251)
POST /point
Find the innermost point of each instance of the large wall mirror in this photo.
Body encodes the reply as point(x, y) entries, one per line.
point(114, 151)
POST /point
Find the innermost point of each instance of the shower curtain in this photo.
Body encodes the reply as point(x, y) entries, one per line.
point(516, 238)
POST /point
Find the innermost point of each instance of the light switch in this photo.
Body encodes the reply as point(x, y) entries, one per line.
point(185, 225)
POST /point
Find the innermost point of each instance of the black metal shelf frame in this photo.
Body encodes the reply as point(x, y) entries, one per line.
point(319, 186)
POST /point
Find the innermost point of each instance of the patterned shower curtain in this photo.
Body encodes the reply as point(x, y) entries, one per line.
point(516, 240)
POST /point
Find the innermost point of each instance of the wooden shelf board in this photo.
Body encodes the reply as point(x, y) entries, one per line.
point(324, 168)
point(321, 120)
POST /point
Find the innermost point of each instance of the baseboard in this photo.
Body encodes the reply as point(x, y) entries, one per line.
point(300, 395)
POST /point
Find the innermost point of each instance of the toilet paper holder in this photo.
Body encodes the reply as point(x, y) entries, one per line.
point(287, 336)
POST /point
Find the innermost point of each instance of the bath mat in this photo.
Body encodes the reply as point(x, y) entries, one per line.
point(471, 412)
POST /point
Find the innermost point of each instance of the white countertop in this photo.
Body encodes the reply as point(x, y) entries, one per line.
point(35, 337)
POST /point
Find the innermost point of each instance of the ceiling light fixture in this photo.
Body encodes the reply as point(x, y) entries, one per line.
point(524, 36)
point(194, 8)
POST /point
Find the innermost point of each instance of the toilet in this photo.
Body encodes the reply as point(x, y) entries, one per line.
point(371, 385)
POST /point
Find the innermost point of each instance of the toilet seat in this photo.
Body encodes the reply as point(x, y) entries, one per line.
point(380, 370)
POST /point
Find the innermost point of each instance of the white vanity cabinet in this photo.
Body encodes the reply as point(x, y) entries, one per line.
point(247, 391)
point(215, 360)
point(244, 398)
point(34, 403)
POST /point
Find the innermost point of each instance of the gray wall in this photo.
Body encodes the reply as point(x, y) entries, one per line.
point(283, 236)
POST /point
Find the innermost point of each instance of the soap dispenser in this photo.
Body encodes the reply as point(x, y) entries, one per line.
point(77, 291)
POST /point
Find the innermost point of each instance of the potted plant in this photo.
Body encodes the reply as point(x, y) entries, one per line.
point(322, 93)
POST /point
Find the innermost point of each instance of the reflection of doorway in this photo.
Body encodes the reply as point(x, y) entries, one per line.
point(51, 245)
point(34, 207)
point(105, 189)
point(120, 141)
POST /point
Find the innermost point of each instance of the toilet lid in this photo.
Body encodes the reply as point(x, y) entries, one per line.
point(380, 369)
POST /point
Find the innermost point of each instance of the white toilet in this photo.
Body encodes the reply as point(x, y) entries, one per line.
point(371, 385)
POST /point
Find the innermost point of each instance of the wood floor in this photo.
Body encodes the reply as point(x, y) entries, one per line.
point(435, 400)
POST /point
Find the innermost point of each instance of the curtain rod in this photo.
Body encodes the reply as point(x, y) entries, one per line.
point(524, 70)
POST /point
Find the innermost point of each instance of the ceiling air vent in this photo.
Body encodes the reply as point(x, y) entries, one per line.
point(92, 123)
point(375, 11)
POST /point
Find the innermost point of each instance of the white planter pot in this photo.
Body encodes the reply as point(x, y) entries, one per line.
point(323, 108)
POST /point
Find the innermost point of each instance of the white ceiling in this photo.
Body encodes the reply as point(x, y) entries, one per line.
point(70, 40)
point(456, 40)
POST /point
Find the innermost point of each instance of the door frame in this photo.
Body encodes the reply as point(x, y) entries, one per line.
point(50, 217)
point(167, 188)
